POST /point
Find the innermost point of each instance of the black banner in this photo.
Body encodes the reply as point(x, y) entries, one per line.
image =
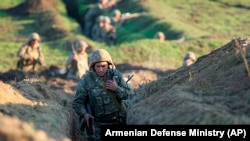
point(164, 132)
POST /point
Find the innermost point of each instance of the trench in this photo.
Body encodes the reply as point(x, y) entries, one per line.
point(72, 11)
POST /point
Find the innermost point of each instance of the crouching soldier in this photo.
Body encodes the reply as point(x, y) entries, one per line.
point(30, 54)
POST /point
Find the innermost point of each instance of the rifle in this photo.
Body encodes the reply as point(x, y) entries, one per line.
point(74, 63)
point(35, 62)
point(90, 130)
point(129, 78)
point(127, 16)
point(73, 49)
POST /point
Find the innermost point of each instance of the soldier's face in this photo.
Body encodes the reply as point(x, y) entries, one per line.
point(33, 42)
point(101, 24)
point(82, 49)
point(101, 68)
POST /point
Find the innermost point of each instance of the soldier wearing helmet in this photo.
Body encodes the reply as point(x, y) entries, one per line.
point(104, 88)
point(116, 18)
point(189, 58)
point(30, 54)
point(160, 36)
point(77, 62)
point(96, 32)
point(108, 32)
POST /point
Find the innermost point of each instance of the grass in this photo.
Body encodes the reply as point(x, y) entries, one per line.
point(206, 25)
point(205, 28)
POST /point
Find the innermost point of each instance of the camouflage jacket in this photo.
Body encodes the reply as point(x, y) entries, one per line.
point(109, 34)
point(26, 51)
point(91, 88)
point(97, 33)
point(94, 12)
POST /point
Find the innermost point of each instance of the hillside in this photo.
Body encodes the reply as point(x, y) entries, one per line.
point(214, 90)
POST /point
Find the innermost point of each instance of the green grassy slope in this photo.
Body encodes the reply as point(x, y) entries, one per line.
point(206, 25)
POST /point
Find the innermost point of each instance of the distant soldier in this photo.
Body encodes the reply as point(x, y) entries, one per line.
point(189, 59)
point(160, 36)
point(97, 30)
point(30, 54)
point(77, 62)
point(91, 16)
point(117, 18)
point(109, 31)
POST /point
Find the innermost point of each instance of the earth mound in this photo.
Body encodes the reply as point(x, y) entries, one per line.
point(214, 90)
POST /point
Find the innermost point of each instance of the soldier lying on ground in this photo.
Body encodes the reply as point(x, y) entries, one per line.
point(117, 18)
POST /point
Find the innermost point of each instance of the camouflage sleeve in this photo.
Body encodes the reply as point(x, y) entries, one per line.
point(96, 33)
point(123, 89)
point(80, 97)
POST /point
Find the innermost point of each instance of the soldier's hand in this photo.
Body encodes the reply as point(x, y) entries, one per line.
point(87, 117)
point(111, 84)
point(43, 66)
point(31, 59)
point(74, 57)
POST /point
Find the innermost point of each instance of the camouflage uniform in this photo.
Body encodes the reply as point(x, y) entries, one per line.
point(30, 55)
point(96, 32)
point(76, 68)
point(91, 87)
point(189, 59)
point(116, 18)
point(92, 15)
point(108, 32)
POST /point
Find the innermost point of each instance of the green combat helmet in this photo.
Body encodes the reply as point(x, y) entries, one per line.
point(100, 19)
point(107, 19)
point(190, 55)
point(80, 44)
point(160, 35)
point(99, 56)
point(116, 12)
point(34, 36)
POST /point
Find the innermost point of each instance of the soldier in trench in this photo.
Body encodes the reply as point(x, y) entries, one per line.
point(30, 54)
point(99, 95)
